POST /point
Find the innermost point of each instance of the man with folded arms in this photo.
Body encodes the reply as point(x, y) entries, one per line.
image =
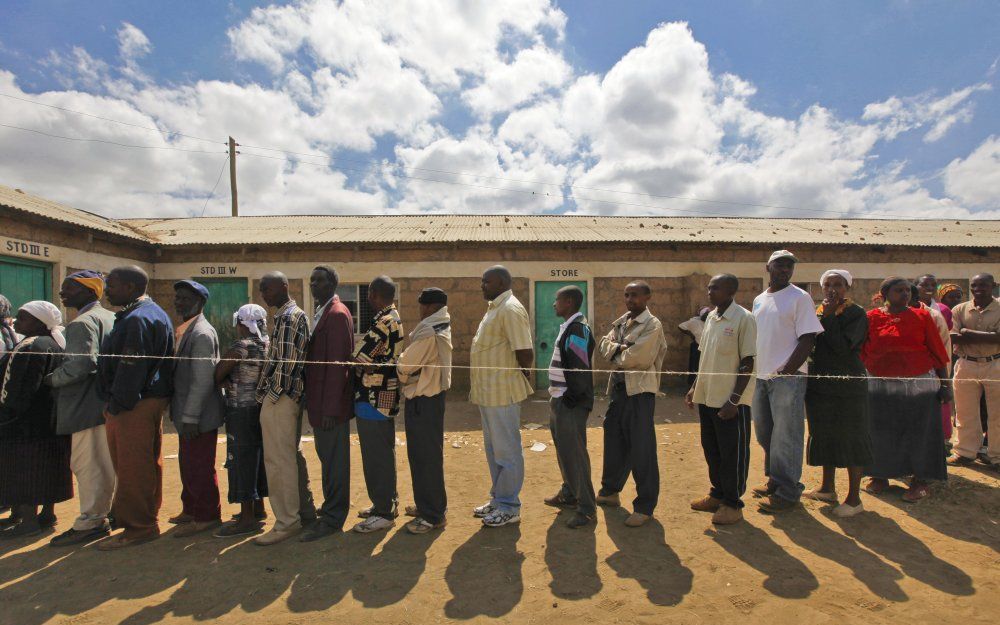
point(425, 373)
point(636, 348)
point(79, 411)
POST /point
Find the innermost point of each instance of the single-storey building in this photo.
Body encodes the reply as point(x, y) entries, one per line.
point(43, 241)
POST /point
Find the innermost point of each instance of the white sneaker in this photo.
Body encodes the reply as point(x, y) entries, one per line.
point(373, 524)
point(844, 511)
point(498, 518)
point(483, 511)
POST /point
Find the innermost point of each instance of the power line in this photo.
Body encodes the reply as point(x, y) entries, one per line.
point(108, 142)
point(216, 186)
point(560, 185)
point(107, 119)
point(370, 162)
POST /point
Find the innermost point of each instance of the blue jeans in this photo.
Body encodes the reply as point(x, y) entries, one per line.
point(779, 420)
point(502, 442)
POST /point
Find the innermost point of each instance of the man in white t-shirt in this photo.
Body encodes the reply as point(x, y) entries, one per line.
point(786, 332)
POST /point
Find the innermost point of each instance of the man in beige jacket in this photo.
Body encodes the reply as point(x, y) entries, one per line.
point(636, 348)
point(425, 372)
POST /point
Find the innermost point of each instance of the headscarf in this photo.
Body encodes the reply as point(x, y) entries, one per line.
point(8, 338)
point(48, 314)
point(945, 289)
point(254, 318)
point(90, 279)
point(843, 273)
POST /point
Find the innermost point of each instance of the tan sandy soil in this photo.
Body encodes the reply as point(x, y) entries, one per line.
point(933, 562)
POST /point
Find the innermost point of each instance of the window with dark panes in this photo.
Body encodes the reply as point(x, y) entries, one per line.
point(355, 297)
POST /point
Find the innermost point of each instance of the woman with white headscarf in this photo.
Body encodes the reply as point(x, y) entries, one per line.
point(34, 461)
point(8, 338)
point(237, 373)
point(837, 409)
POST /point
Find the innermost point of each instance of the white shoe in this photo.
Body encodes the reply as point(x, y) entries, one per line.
point(498, 518)
point(844, 511)
point(373, 524)
point(483, 511)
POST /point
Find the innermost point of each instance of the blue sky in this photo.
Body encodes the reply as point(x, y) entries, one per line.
point(842, 57)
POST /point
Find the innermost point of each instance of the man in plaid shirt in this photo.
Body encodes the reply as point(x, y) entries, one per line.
point(376, 403)
point(280, 392)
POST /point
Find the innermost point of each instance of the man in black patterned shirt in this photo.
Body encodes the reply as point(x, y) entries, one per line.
point(376, 403)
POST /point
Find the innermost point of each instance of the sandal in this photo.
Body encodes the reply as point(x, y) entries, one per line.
point(876, 486)
point(822, 495)
point(916, 493)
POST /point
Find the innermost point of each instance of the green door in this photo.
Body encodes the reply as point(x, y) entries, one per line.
point(22, 281)
point(547, 325)
point(226, 295)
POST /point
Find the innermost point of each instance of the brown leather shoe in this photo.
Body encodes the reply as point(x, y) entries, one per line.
point(775, 504)
point(181, 519)
point(707, 503)
point(727, 516)
point(613, 501)
point(637, 519)
point(276, 536)
point(120, 541)
point(764, 490)
point(196, 527)
point(558, 501)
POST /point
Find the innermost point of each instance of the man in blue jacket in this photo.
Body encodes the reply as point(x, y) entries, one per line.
point(136, 381)
point(571, 386)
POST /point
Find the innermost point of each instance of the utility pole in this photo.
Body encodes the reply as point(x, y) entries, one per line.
point(232, 176)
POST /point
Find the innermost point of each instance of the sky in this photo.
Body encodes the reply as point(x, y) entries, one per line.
point(749, 108)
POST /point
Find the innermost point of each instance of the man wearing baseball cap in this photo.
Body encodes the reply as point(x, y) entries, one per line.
point(786, 332)
point(196, 410)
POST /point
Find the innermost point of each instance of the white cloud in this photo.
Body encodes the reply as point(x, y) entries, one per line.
point(132, 42)
point(976, 178)
point(507, 85)
point(900, 115)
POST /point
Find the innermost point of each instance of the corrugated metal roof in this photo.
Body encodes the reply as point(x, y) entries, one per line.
point(19, 200)
point(558, 229)
point(389, 229)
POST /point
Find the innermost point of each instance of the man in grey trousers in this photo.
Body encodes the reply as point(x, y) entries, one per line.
point(571, 386)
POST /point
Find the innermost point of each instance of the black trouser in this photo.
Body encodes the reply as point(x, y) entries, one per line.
point(630, 447)
point(424, 423)
point(727, 450)
point(378, 461)
point(245, 455)
point(333, 447)
point(569, 433)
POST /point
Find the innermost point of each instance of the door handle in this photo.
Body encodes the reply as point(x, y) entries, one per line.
point(545, 345)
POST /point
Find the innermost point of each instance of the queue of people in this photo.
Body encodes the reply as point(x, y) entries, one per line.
point(870, 385)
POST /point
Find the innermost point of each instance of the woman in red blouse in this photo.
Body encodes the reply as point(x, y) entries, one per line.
point(907, 437)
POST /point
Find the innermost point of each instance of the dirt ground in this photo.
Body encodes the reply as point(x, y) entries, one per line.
point(933, 562)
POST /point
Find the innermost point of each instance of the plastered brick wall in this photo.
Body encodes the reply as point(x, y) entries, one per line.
point(466, 306)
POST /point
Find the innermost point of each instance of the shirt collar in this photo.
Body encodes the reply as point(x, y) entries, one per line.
point(565, 324)
point(642, 317)
point(385, 311)
point(500, 299)
point(327, 303)
point(728, 314)
point(993, 304)
point(285, 307)
point(87, 307)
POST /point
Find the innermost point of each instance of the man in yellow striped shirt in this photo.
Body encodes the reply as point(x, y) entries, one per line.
point(501, 358)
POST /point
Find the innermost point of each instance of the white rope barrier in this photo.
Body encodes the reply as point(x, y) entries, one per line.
point(670, 372)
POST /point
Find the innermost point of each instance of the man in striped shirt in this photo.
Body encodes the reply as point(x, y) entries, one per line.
point(571, 386)
point(280, 391)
